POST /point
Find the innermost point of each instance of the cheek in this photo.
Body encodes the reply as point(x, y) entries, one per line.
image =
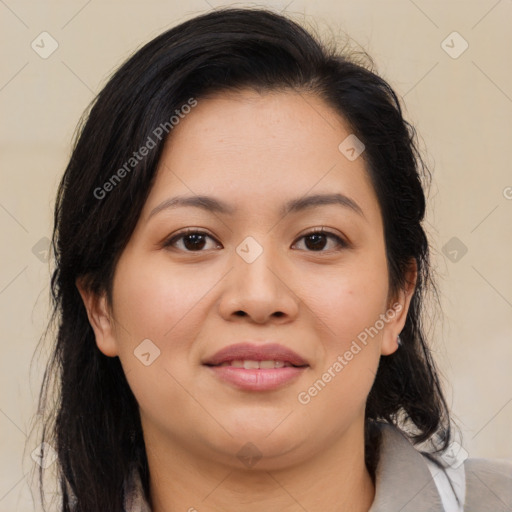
point(348, 299)
point(154, 300)
point(347, 303)
point(348, 310)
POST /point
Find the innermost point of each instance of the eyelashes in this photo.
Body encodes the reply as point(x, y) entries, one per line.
point(323, 234)
point(192, 234)
point(194, 240)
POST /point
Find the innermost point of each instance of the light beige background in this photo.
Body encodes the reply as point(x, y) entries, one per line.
point(461, 107)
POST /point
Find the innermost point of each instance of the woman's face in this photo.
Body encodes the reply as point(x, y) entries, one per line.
point(254, 275)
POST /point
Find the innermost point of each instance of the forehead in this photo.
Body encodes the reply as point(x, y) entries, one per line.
point(250, 148)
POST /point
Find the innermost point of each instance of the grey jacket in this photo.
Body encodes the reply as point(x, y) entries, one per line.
point(406, 481)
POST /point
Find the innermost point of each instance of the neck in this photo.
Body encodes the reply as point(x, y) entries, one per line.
point(333, 480)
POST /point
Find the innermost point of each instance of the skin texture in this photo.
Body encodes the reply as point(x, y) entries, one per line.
point(255, 152)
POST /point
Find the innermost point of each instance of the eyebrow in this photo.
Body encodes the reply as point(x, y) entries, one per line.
point(212, 204)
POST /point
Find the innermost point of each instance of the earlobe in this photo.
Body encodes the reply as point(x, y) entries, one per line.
point(391, 341)
point(100, 319)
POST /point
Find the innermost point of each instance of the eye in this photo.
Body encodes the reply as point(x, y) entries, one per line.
point(316, 240)
point(193, 240)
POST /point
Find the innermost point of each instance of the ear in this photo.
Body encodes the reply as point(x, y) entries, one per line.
point(397, 312)
point(100, 319)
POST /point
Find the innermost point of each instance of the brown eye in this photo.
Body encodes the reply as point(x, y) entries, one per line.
point(316, 241)
point(192, 241)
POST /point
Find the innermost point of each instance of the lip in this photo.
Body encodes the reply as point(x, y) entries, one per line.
point(263, 379)
point(250, 351)
point(257, 380)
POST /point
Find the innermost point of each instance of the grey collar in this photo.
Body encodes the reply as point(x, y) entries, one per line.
point(403, 481)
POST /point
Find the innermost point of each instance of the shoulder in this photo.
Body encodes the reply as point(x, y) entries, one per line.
point(409, 479)
point(488, 485)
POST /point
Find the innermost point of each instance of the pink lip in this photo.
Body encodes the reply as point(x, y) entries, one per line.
point(249, 351)
point(262, 379)
point(257, 379)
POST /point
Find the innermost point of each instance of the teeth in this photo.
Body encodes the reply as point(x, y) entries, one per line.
point(251, 365)
point(268, 364)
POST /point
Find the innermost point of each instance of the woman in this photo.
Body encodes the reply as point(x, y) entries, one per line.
point(239, 282)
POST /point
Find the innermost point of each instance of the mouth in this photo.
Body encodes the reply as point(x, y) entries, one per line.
point(252, 367)
point(256, 377)
point(248, 355)
point(249, 364)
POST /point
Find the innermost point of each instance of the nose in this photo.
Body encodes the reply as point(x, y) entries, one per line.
point(259, 291)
